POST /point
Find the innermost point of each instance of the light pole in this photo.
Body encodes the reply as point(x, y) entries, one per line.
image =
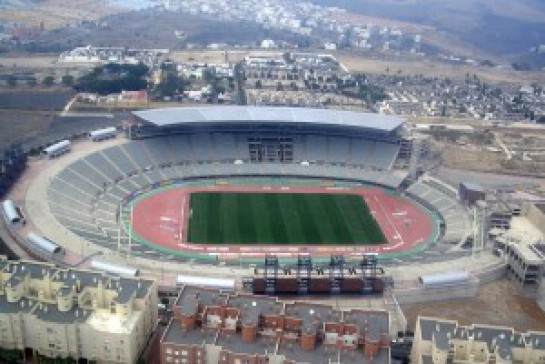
point(130, 233)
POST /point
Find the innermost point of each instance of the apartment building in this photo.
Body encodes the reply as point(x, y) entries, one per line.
point(56, 312)
point(438, 341)
point(209, 326)
point(525, 263)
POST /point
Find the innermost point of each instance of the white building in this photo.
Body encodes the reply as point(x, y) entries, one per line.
point(58, 312)
point(268, 44)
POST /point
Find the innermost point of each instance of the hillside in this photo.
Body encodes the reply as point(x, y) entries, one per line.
point(531, 61)
point(52, 13)
point(499, 27)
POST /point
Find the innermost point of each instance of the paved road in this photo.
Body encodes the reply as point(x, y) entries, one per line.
point(487, 180)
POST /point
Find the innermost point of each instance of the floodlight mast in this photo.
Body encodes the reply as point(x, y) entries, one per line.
point(119, 229)
point(414, 159)
point(130, 233)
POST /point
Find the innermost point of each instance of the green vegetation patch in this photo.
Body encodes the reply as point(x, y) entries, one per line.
point(281, 218)
point(113, 78)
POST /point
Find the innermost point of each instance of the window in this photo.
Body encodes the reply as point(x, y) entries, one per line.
point(169, 359)
point(169, 351)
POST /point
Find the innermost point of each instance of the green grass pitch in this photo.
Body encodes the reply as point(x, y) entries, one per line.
point(281, 218)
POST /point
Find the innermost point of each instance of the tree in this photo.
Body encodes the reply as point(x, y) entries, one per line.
point(209, 75)
point(371, 93)
point(48, 81)
point(114, 78)
point(219, 89)
point(67, 80)
point(287, 57)
point(10, 356)
point(171, 84)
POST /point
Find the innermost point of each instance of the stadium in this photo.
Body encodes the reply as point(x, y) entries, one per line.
point(235, 184)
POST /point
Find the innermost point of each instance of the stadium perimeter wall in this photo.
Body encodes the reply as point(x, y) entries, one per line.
point(448, 292)
point(482, 275)
point(40, 171)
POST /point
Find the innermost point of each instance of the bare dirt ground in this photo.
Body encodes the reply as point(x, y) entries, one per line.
point(57, 13)
point(207, 56)
point(428, 67)
point(497, 303)
point(465, 157)
point(362, 20)
point(475, 158)
point(30, 61)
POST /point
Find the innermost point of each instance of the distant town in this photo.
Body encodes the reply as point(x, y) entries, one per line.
point(271, 77)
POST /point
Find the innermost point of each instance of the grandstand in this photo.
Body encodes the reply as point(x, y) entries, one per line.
point(275, 135)
point(455, 218)
point(181, 145)
point(86, 196)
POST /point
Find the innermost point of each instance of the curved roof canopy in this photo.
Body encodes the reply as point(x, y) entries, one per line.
point(255, 114)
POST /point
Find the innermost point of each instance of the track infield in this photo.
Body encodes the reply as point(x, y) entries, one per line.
point(161, 220)
point(281, 218)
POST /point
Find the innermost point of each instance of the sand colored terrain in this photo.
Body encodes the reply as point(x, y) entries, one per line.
point(57, 13)
point(416, 66)
point(498, 303)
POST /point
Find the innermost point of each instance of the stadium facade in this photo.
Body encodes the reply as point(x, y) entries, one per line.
point(277, 135)
point(92, 188)
point(176, 145)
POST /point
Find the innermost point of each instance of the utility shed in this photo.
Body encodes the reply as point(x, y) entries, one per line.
point(471, 192)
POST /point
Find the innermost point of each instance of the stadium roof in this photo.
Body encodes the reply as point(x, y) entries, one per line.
point(185, 115)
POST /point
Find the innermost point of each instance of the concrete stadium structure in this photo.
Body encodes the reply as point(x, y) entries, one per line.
point(89, 188)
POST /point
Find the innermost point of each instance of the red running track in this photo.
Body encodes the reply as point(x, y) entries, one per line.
point(162, 220)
